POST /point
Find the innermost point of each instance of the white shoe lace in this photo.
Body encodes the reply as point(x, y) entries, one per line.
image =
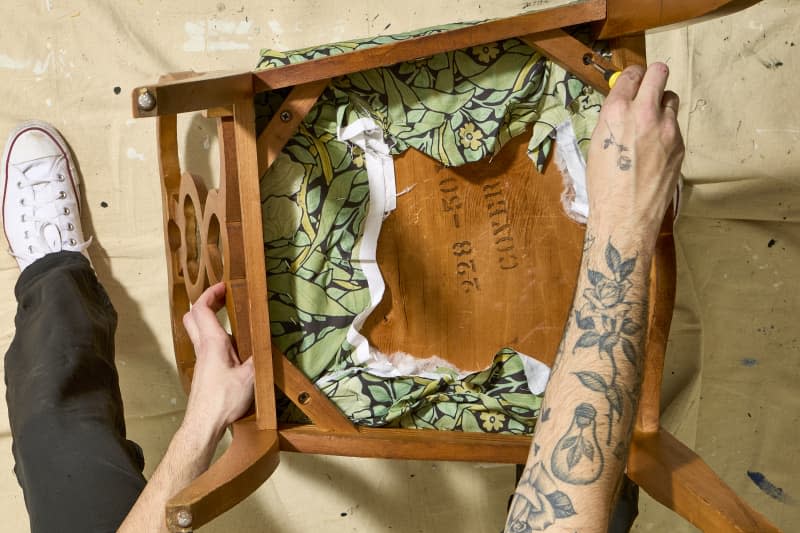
point(47, 234)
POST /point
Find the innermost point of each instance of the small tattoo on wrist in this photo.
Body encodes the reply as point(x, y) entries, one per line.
point(624, 162)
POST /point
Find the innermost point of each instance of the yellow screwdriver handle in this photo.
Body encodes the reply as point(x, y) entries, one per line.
point(613, 79)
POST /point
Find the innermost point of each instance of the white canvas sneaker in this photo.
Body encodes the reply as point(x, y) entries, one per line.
point(41, 202)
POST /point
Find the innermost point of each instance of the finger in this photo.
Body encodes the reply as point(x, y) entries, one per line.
point(248, 369)
point(190, 326)
point(247, 373)
point(204, 310)
point(671, 103)
point(233, 352)
point(651, 91)
point(627, 84)
point(213, 297)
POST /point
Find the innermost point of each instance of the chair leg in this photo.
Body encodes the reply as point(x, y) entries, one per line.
point(245, 465)
point(679, 479)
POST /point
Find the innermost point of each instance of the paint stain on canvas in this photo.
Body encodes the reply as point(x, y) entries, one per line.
point(766, 486)
point(217, 35)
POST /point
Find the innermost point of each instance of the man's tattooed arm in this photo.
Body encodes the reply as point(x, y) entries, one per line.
point(581, 440)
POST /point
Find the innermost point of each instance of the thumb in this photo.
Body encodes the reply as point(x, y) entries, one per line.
point(247, 369)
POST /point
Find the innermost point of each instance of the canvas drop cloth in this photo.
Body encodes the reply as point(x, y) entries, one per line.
point(730, 387)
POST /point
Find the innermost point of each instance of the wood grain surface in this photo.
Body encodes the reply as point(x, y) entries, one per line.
point(475, 259)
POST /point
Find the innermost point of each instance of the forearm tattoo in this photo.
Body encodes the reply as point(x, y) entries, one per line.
point(541, 504)
point(609, 324)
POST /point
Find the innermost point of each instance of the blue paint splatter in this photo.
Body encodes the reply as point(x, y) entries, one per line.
point(766, 486)
point(749, 362)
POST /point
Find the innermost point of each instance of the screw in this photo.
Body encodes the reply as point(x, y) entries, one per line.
point(304, 398)
point(146, 101)
point(184, 518)
point(286, 116)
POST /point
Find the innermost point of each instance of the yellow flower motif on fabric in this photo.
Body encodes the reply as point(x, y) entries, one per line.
point(358, 157)
point(492, 421)
point(465, 388)
point(470, 136)
point(485, 53)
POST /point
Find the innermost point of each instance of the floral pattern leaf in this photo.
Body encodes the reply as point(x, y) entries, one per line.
point(469, 422)
point(588, 449)
point(613, 258)
point(595, 277)
point(568, 442)
point(626, 268)
point(280, 218)
point(574, 456)
point(607, 342)
point(588, 339)
point(630, 352)
point(561, 504)
point(307, 296)
point(584, 322)
point(312, 359)
point(629, 327)
point(592, 380)
point(614, 397)
point(379, 393)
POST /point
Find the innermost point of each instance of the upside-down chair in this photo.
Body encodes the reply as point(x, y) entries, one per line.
point(474, 254)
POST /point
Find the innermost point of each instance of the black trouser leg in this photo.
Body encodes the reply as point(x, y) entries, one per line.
point(77, 470)
point(627, 508)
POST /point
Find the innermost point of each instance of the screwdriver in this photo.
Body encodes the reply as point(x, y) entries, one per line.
point(609, 75)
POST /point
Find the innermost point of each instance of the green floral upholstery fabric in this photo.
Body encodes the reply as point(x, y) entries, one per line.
point(456, 107)
point(494, 400)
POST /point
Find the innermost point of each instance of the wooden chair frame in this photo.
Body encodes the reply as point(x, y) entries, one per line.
point(225, 226)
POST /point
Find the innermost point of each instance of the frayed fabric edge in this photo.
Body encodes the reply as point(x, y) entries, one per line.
point(570, 162)
point(402, 364)
point(366, 134)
